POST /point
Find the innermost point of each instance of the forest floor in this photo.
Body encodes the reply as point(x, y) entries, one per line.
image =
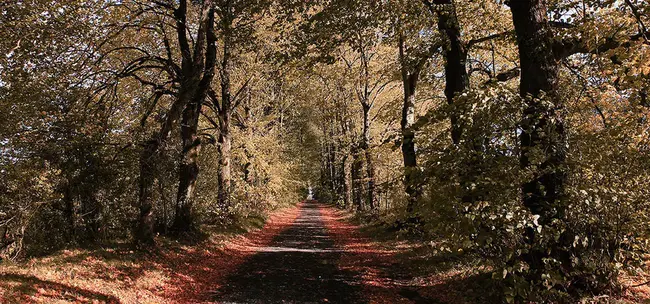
point(310, 253)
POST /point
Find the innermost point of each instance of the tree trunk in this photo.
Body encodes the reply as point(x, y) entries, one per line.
point(69, 210)
point(347, 181)
point(144, 233)
point(225, 140)
point(148, 161)
point(192, 68)
point(149, 158)
point(543, 123)
point(188, 167)
point(198, 80)
point(224, 175)
point(456, 82)
point(365, 146)
point(331, 162)
point(408, 141)
point(357, 185)
point(410, 76)
point(455, 53)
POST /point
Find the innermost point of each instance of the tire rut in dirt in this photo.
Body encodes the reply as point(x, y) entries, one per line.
point(298, 267)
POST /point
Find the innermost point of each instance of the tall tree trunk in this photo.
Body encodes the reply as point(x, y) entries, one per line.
point(225, 139)
point(148, 161)
point(456, 82)
point(543, 126)
point(365, 146)
point(543, 122)
point(331, 163)
point(323, 165)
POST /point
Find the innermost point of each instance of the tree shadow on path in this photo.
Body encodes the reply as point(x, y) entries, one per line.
point(299, 266)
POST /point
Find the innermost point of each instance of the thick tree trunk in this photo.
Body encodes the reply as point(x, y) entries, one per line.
point(543, 123)
point(543, 132)
point(188, 167)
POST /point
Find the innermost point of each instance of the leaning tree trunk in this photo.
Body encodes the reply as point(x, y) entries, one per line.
point(543, 125)
point(191, 75)
point(149, 158)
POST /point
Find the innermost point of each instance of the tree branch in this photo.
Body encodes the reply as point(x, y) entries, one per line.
point(488, 38)
point(572, 46)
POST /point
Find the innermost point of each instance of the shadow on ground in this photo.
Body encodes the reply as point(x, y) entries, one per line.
point(428, 275)
point(52, 291)
point(299, 266)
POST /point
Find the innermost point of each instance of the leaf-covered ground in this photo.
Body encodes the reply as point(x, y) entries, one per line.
point(311, 253)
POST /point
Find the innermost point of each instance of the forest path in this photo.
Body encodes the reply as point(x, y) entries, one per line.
point(314, 260)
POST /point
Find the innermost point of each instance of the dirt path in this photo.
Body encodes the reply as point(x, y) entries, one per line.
point(318, 259)
point(300, 265)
